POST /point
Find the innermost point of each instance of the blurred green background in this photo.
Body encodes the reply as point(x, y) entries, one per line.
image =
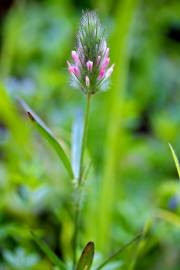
point(133, 180)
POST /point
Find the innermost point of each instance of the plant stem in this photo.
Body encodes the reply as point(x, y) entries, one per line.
point(84, 137)
point(76, 228)
point(79, 182)
point(117, 252)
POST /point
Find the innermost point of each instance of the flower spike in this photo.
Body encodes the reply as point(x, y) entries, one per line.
point(90, 69)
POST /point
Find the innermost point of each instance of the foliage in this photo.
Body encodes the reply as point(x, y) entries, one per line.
point(132, 183)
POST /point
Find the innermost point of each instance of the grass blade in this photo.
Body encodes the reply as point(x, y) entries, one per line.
point(117, 252)
point(47, 134)
point(175, 159)
point(86, 258)
point(50, 254)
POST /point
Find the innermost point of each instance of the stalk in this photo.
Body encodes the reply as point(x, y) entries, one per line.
point(84, 138)
point(78, 191)
point(117, 252)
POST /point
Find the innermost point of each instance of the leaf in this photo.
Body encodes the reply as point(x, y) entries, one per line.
point(118, 251)
point(169, 217)
point(48, 135)
point(175, 159)
point(77, 133)
point(50, 254)
point(86, 258)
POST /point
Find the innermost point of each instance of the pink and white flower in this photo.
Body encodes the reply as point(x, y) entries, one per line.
point(90, 68)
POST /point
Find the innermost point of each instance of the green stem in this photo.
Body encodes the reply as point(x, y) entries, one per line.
point(117, 252)
point(76, 229)
point(79, 182)
point(84, 137)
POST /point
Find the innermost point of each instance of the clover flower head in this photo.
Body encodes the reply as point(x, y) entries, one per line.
point(90, 69)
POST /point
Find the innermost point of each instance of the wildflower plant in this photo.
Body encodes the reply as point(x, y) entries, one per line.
point(90, 71)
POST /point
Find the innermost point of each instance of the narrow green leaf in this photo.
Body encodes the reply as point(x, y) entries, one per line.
point(48, 135)
point(86, 258)
point(117, 252)
point(77, 132)
point(168, 216)
point(50, 254)
point(175, 159)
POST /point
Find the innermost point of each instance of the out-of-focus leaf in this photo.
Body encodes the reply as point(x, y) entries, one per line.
point(77, 143)
point(86, 258)
point(20, 259)
point(175, 159)
point(113, 265)
point(169, 217)
point(50, 254)
point(46, 132)
point(9, 115)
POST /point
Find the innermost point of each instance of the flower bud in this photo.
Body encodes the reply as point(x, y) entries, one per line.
point(75, 57)
point(89, 65)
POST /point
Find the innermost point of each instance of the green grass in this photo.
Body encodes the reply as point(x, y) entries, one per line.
point(131, 177)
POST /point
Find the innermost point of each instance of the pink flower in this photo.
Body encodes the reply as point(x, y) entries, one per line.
point(90, 68)
point(70, 68)
point(101, 73)
point(106, 62)
point(73, 69)
point(75, 57)
point(89, 65)
point(76, 71)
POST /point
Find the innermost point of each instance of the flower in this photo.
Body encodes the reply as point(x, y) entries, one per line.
point(90, 69)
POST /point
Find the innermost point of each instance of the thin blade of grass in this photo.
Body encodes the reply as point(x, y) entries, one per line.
point(140, 245)
point(175, 159)
point(50, 254)
point(117, 252)
point(48, 135)
point(86, 258)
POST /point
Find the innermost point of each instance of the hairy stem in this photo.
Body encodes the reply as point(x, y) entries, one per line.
point(78, 191)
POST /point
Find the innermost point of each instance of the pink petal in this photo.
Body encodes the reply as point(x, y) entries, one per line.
point(73, 69)
point(107, 52)
point(109, 71)
point(106, 62)
point(89, 65)
point(76, 71)
point(70, 68)
point(101, 73)
point(75, 57)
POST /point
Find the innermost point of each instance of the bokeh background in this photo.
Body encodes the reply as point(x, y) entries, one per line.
point(133, 183)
